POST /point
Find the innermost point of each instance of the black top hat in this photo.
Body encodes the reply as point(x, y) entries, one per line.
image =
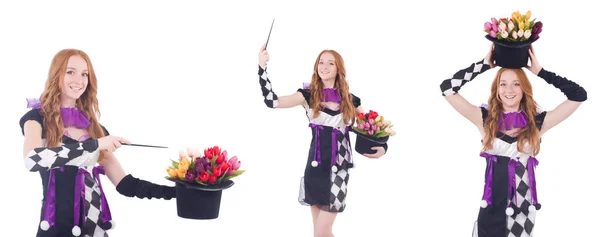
point(511, 54)
point(200, 202)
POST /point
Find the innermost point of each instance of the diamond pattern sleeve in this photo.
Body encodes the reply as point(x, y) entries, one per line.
point(270, 98)
point(452, 85)
point(74, 154)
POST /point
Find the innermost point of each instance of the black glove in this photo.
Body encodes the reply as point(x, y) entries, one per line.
point(572, 90)
point(131, 186)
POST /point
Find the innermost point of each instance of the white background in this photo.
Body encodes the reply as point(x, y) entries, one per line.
point(185, 74)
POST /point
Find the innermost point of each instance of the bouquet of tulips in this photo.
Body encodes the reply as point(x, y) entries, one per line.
point(372, 124)
point(517, 28)
point(209, 168)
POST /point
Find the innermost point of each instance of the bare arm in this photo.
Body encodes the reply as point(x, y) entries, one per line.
point(466, 109)
point(271, 99)
point(451, 86)
point(575, 94)
point(114, 170)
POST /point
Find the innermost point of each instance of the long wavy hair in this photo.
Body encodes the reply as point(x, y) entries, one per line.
point(527, 135)
point(341, 85)
point(50, 98)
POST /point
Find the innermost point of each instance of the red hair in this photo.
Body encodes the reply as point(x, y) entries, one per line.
point(50, 98)
point(340, 84)
point(529, 134)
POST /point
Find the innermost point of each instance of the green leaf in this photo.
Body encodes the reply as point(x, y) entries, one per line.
point(193, 165)
point(175, 164)
point(200, 182)
point(213, 161)
point(222, 176)
point(235, 174)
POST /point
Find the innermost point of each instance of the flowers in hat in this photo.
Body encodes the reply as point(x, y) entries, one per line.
point(373, 124)
point(519, 27)
point(211, 167)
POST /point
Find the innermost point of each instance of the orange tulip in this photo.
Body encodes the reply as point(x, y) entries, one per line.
point(172, 173)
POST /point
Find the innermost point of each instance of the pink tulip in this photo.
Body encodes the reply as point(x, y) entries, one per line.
point(224, 156)
point(495, 28)
point(487, 26)
point(234, 165)
point(361, 126)
point(493, 34)
point(366, 126)
point(371, 121)
point(375, 128)
point(370, 132)
point(494, 21)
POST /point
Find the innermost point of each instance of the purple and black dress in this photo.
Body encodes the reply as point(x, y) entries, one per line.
point(330, 155)
point(74, 203)
point(510, 199)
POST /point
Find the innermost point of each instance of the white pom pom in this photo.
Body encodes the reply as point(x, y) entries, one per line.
point(112, 224)
point(45, 225)
point(532, 208)
point(76, 231)
point(314, 163)
point(334, 168)
point(483, 204)
point(510, 211)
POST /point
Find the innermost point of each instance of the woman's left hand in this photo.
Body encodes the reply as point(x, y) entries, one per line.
point(380, 152)
point(535, 66)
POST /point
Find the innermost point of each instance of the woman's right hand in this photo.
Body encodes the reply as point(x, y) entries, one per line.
point(490, 56)
point(263, 57)
point(111, 143)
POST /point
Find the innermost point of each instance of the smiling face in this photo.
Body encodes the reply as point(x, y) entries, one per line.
point(509, 91)
point(327, 68)
point(76, 79)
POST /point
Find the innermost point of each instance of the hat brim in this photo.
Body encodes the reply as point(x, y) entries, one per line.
point(381, 140)
point(218, 187)
point(512, 44)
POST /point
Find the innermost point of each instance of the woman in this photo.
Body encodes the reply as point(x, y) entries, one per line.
point(511, 126)
point(64, 141)
point(331, 110)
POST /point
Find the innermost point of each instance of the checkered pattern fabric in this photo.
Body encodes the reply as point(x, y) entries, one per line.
point(339, 190)
point(75, 154)
point(344, 152)
point(452, 86)
point(521, 224)
point(92, 209)
point(267, 89)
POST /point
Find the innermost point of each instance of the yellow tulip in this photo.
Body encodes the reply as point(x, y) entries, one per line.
point(528, 15)
point(181, 174)
point(527, 23)
point(521, 25)
point(172, 173)
point(380, 118)
point(184, 161)
point(183, 167)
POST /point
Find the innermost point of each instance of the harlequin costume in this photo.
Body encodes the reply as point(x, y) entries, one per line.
point(74, 203)
point(510, 200)
point(326, 175)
